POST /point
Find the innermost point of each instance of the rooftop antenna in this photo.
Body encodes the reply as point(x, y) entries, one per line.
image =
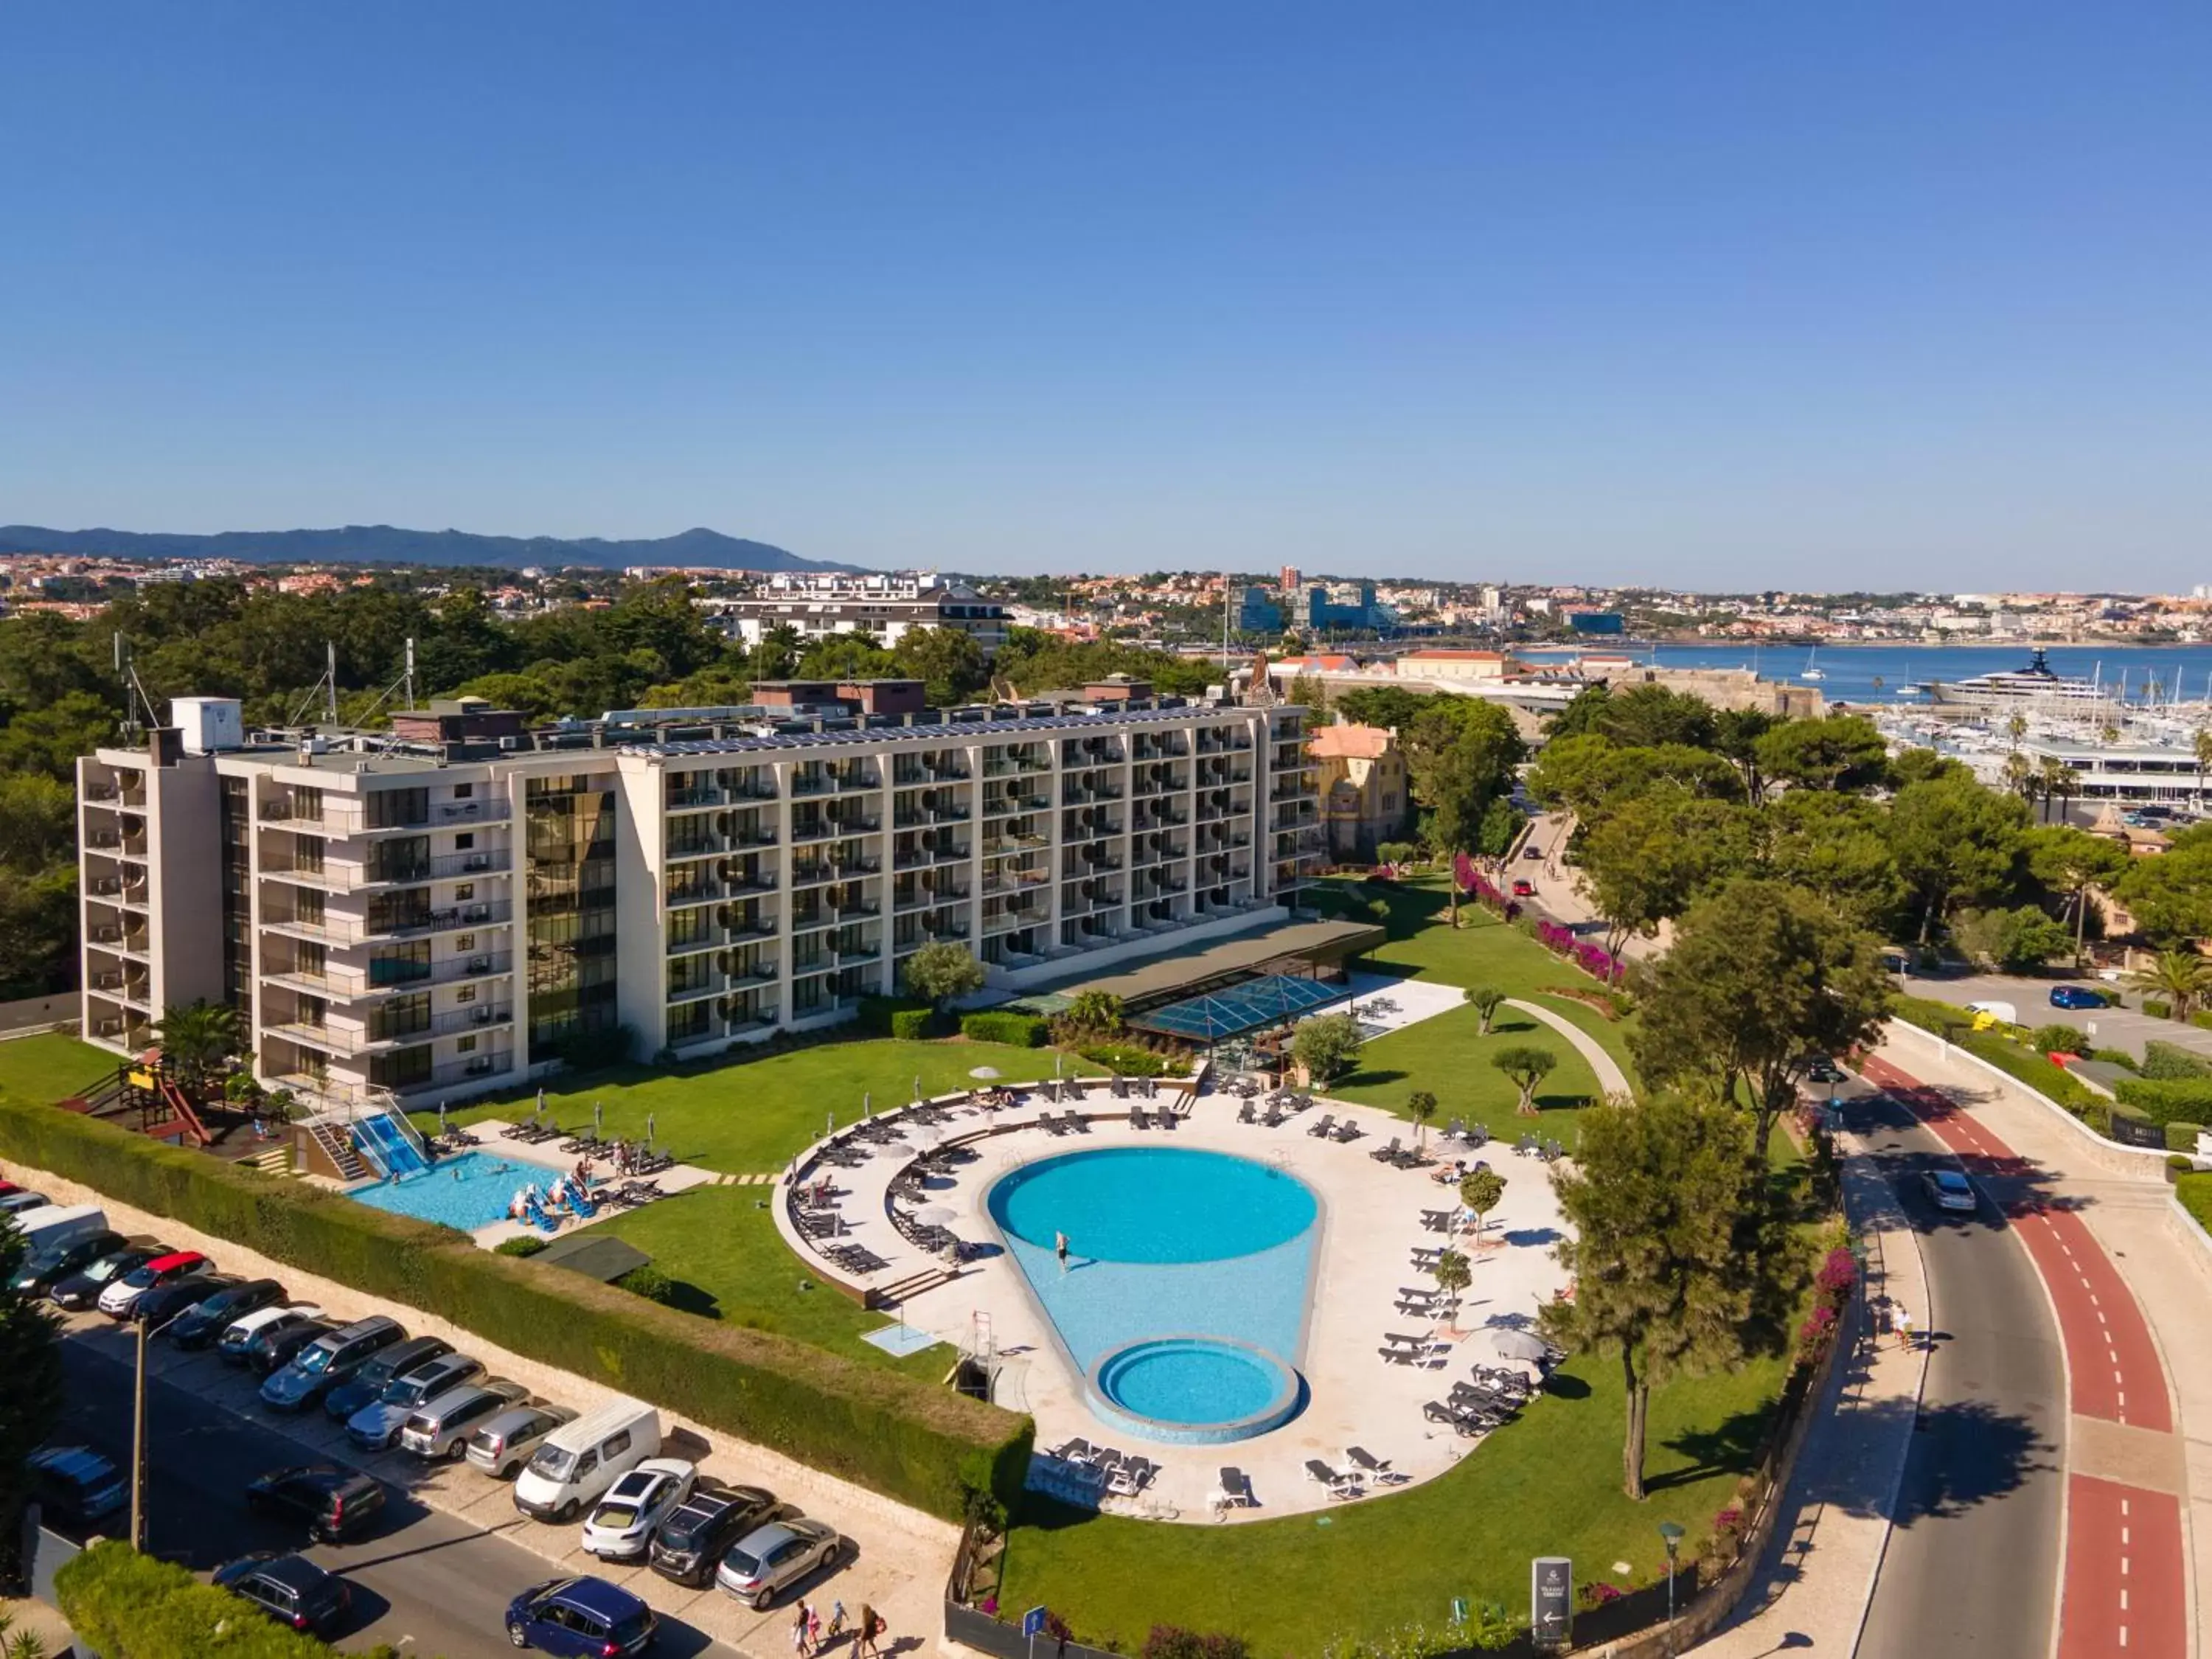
point(330, 681)
point(410, 672)
point(136, 702)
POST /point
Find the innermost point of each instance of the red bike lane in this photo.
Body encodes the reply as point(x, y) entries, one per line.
point(2125, 1589)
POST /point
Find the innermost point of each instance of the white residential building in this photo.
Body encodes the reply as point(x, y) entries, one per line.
point(435, 914)
point(883, 607)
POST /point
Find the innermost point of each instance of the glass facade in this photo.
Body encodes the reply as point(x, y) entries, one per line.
point(569, 850)
point(237, 834)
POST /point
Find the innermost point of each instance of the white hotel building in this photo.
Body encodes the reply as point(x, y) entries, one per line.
point(426, 915)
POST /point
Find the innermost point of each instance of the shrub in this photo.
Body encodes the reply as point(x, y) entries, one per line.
point(2178, 1164)
point(2169, 1062)
point(1174, 1642)
point(2098, 1115)
point(2181, 1135)
point(2119, 1057)
point(923, 1446)
point(912, 1025)
point(650, 1282)
point(527, 1245)
point(1018, 1031)
point(2158, 1010)
point(2164, 1100)
point(2203, 1021)
point(1132, 1061)
point(128, 1605)
point(878, 1016)
point(2058, 1040)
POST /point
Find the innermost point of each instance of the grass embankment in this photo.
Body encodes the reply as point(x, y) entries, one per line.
point(2195, 1192)
point(51, 1066)
point(721, 1244)
point(753, 1114)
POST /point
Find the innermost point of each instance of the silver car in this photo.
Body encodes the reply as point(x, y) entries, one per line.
point(770, 1559)
point(442, 1427)
point(376, 1425)
point(505, 1444)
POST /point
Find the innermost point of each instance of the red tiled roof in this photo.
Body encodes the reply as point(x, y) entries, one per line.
point(1350, 742)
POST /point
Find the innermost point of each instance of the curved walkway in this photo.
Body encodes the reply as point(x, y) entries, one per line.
point(1611, 1079)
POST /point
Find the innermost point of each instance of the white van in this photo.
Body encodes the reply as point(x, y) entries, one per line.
point(1987, 1014)
point(580, 1460)
point(58, 1226)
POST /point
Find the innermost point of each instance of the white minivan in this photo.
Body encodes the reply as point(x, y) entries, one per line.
point(58, 1226)
point(580, 1460)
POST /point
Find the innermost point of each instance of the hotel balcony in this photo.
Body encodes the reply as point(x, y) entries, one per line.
point(372, 1038)
point(388, 979)
point(351, 818)
point(362, 930)
point(365, 878)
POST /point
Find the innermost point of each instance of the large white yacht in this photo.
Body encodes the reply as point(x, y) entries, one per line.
point(2039, 684)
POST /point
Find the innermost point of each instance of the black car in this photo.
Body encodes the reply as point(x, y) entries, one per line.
point(44, 1269)
point(290, 1588)
point(80, 1291)
point(337, 1503)
point(206, 1322)
point(77, 1489)
point(689, 1543)
point(367, 1385)
point(274, 1347)
point(166, 1302)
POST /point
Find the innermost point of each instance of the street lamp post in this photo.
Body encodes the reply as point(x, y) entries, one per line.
point(145, 1330)
point(1673, 1534)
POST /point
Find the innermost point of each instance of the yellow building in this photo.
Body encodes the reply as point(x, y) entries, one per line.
point(1362, 780)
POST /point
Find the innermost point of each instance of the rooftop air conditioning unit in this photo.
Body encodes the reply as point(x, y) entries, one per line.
point(480, 964)
point(480, 1017)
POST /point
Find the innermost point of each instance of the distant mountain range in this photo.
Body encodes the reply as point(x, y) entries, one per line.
point(381, 543)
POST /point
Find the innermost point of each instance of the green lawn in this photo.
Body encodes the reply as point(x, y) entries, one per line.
point(720, 1242)
point(754, 1114)
point(1548, 1484)
point(1446, 1055)
point(50, 1067)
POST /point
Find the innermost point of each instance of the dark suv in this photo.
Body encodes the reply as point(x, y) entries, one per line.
point(335, 1503)
point(206, 1322)
point(289, 1589)
point(81, 1289)
point(688, 1546)
point(44, 1269)
point(77, 1489)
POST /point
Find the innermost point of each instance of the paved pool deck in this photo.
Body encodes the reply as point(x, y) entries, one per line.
point(1371, 1227)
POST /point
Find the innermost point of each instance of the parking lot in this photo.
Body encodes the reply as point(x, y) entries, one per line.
point(439, 1575)
point(2128, 1028)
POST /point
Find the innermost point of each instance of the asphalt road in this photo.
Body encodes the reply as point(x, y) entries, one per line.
point(425, 1580)
point(1972, 1565)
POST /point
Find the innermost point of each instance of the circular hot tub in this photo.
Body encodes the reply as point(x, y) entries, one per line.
point(1195, 1389)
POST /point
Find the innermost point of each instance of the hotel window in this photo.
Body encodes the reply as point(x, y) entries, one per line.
point(466, 1045)
point(466, 994)
point(464, 891)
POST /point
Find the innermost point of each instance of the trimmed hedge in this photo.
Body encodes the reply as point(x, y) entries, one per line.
point(2164, 1101)
point(124, 1605)
point(2158, 1010)
point(2169, 1061)
point(878, 1016)
point(2181, 1135)
point(912, 1025)
point(1133, 1061)
point(1016, 1031)
point(2195, 1192)
point(924, 1446)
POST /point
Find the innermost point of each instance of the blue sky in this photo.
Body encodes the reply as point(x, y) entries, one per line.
point(1716, 295)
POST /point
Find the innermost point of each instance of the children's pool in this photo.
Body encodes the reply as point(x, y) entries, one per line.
point(468, 1192)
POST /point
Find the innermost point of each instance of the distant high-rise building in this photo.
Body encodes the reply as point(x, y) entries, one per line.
point(1287, 578)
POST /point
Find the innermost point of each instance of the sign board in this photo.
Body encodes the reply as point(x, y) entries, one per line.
point(2131, 1131)
point(1033, 1622)
point(1551, 1602)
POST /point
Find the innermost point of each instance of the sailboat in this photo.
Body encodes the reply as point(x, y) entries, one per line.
point(1812, 669)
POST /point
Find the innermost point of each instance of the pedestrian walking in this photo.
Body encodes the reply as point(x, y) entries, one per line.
point(799, 1631)
point(814, 1630)
point(837, 1619)
point(1901, 1318)
point(864, 1634)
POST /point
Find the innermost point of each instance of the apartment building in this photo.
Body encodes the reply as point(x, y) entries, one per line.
point(431, 917)
point(885, 607)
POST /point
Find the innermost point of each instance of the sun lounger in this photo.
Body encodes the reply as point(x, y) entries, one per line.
point(1377, 1469)
point(1455, 1128)
point(1235, 1491)
point(1386, 1154)
point(1321, 1129)
point(1273, 1118)
point(1139, 1118)
point(1247, 1114)
point(1340, 1486)
point(1347, 1131)
point(1398, 1355)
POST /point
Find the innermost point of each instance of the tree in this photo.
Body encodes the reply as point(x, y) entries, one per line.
point(1762, 975)
point(2201, 745)
point(1956, 843)
point(2021, 940)
point(1736, 734)
point(1099, 1012)
point(1582, 715)
point(1484, 1000)
point(2070, 862)
point(197, 1044)
point(31, 1401)
point(1843, 751)
point(1649, 857)
point(2178, 978)
point(1327, 1046)
point(2054, 781)
point(1652, 1203)
point(947, 660)
point(942, 970)
point(1482, 1191)
point(1421, 1106)
point(1459, 757)
point(2171, 896)
point(1835, 847)
point(1526, 1068)
point(1454, 1273)
point(1500, 828)
point(1653, 716)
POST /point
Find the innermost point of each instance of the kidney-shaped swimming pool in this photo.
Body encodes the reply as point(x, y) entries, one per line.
point(1153, 1204)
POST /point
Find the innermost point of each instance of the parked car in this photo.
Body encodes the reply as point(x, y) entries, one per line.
point(690, 1543)
point(76, 1487)
point(117, 1300)
point(377, 1425)
point(206, 1322)
point(1820, 1069)
point(239, 1336)
point(46, 1265)
point(621, 1527)
point(23, 1199)
point(328, 1361)
point(2074, 996)
point(166, 1302)
point(273, 1348)
point(770, 1560)
point(441, 1427)
point(580, 1460)
point(1950, 1190)
point(1523, 888)
point(80, 1291)
point(52, 1225)
point(580, 1616)
point(335, 1503)
point(290, 1588)
point(366, 1386)
point(508, 1441)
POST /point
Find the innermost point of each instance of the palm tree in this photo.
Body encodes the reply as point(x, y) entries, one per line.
point(2177, 978)
point(1421, 1106)
point(2016, 727)
point(196, 1043)
point(2019, 774)
point(2053, 779)
point(2203, 761)
point(1454, 1273)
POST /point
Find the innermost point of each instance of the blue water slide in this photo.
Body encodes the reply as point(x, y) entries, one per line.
point(389, 1145)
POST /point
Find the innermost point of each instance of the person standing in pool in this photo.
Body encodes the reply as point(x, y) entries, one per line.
point(1059, 1249)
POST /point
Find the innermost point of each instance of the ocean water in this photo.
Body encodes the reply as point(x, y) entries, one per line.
point(1873, 673)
